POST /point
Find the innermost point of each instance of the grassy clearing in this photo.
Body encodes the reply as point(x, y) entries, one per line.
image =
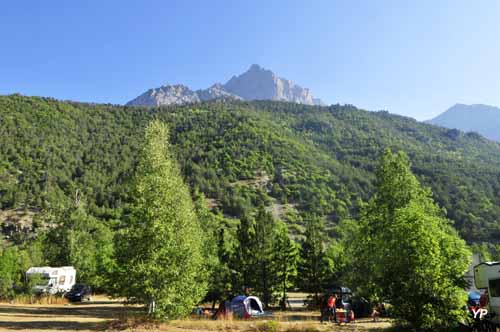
point(267, 326)
point(280, 322)
point(106, 315)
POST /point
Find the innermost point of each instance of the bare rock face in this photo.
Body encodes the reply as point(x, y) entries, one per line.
point(256, 83)
point(166, 95)
point(262, 84)
point(216, 91)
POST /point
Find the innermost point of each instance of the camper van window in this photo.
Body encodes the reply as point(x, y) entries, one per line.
point(62, 279)
point(494, 288)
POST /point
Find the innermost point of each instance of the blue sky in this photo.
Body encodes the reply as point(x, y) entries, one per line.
point(415, 58)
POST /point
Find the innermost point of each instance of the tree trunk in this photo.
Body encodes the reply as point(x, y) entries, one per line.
point(151, 307)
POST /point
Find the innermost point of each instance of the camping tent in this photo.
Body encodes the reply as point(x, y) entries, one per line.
point(246, 306)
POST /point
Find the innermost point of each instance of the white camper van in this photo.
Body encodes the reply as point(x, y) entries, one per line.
point(487, 276)
point(54, 279)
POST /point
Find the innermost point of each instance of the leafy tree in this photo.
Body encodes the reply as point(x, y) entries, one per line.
point(34, 279)
point(34, 252)
point(285, 259)
point(14, 262)
point(80, 240)
point(335, 262)
point(28, 255)
point(9, 271)
point(487, 251)
point(160, 250)
point(406, 250)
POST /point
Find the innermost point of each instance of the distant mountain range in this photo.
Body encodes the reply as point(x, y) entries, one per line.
point(256, 83)
point(483, 119)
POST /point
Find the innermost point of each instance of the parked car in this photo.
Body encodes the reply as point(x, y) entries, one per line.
point(361, 306)
point(343, 294)
point(79, 293)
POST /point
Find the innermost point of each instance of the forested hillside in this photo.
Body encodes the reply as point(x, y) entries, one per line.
point(294, 159)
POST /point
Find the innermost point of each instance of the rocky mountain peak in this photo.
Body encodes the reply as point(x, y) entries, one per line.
point(166, 95)
point(255, 67)
point(257, 83)
point(216, 91)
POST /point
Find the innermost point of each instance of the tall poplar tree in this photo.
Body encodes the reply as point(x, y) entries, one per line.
point(160, 250)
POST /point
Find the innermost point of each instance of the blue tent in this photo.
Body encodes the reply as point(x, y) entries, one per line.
point(473, 298)
point(246, 306)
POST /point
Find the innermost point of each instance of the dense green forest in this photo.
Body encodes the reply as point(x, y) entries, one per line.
point(293, 159)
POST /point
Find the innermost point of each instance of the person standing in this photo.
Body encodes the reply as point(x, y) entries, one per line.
point(376, 312)
point(484, 299)
point(332, 307)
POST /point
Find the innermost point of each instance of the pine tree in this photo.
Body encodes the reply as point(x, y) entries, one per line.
point(285, 259)
point(160, 250)
point(217, 250)
point(312, 265)
point(254, 258)
point(244, 259)
point(264, 249)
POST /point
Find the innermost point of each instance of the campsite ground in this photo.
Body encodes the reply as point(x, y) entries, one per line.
point(105, 315)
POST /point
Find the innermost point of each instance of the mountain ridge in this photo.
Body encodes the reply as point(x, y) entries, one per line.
point(256, 83)
point(480, 118)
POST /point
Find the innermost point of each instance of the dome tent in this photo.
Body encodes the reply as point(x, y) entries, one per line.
point(246, 306)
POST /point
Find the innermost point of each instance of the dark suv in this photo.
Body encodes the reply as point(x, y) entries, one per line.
point(79, 293)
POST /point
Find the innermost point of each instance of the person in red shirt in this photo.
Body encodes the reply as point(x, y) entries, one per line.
point(332, 307)
point(483, 300)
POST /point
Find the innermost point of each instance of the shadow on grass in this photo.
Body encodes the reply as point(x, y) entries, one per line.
point(54, 325)
point(307, 318)
point(71, 310)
